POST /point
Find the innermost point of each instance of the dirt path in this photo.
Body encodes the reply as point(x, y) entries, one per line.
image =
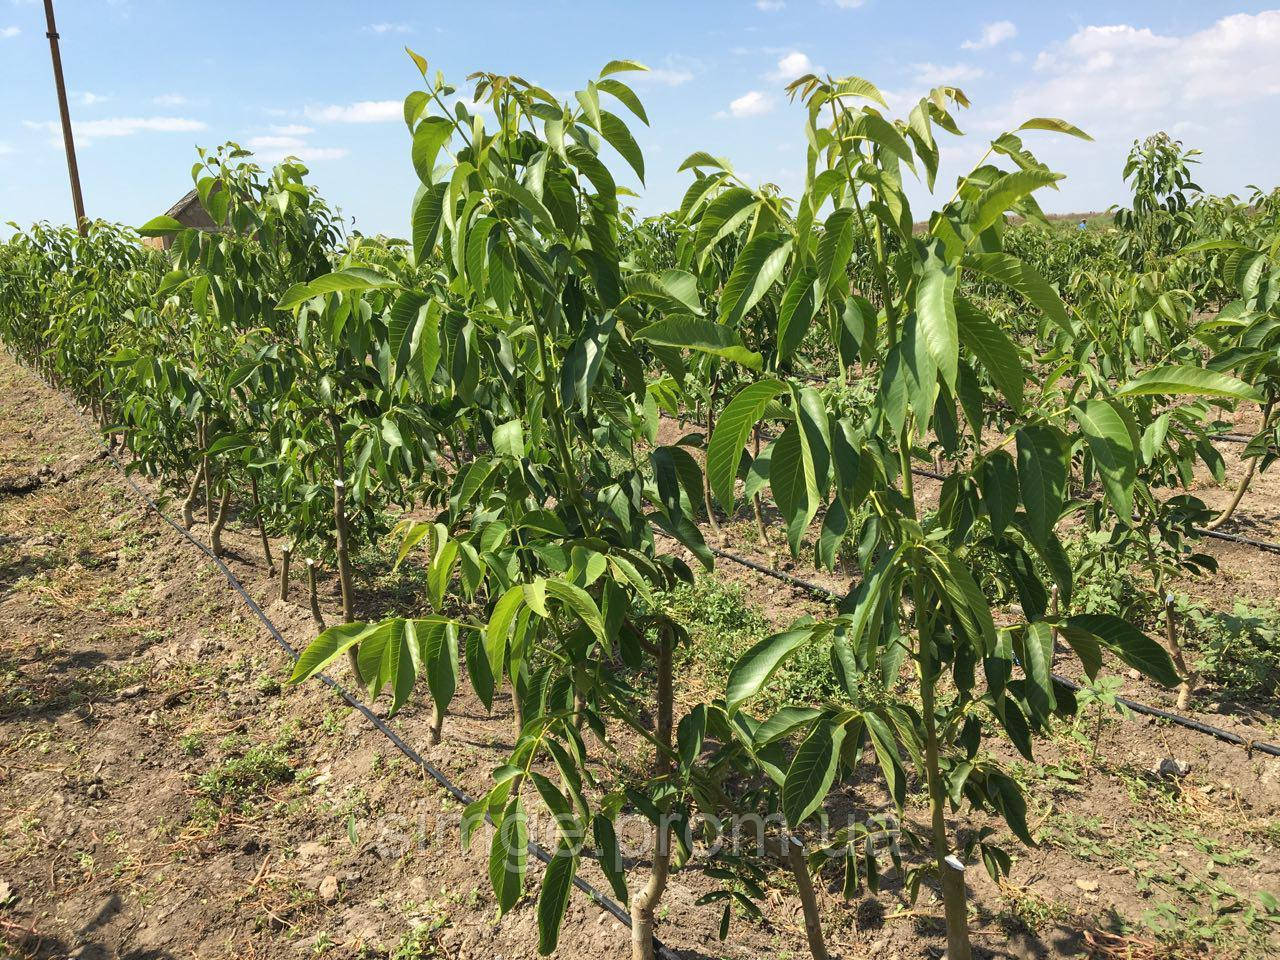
point(162, 796)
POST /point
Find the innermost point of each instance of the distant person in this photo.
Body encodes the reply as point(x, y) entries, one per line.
point(1081, 226)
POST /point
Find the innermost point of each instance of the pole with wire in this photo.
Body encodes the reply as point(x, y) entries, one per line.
point(73, 170)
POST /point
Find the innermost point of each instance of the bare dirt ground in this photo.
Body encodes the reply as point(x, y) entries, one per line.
point(163, 795)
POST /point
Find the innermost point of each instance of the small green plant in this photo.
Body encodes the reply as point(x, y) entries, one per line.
point(238, 781)
point(192, 744)
point(1240, 650)
point(1102, 694)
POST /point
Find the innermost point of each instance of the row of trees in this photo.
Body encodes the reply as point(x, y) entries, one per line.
point(508, 367)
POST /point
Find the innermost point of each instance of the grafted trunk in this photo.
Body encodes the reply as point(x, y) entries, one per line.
point(1175, 651)
point(808, 898)
point(262, 526)
point(286, 554)
point(645, 903)
point(316, 615)
point(189, 504)
point(215, 535)
point(1243, 485)
point(706, 477)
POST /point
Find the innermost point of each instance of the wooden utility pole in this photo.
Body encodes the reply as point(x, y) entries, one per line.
point(72, 169)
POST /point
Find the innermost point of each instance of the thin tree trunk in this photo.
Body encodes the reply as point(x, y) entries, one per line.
point(316, 615)
point(286, 553)
point(951, 878)
point(1175, 651)
point(206, 469)
point(706, 477)
point(262, 526)
point(340, 535)
point(189, 504)
point(808, 899)
point(340, 520)
point(644, 905)
point(1225, 515)
point(755, 498)
point(215, 535)
point(437, 722)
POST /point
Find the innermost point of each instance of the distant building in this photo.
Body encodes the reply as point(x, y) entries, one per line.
point(187, 212)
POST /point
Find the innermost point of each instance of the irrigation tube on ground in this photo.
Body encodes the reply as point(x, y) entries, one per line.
point(602, 900)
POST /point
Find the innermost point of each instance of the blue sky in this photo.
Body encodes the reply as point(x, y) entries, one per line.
point(151, 79)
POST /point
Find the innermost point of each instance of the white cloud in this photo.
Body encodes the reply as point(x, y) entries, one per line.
point(992, 35)
point(770, 6)
point(1121, 77)
point(5, 148)
point(169, 100)
point(275, 143)
point(794, 64)
point(7, 32)
point(753, 103)
point(287, 141)
point(674, 72)
point(87, 131)
point(849, 4)
point(364, 111)
point(88, 99)
point(389, 28)
point(944, 74)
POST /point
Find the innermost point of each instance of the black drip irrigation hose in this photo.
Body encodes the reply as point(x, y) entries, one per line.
point(605, 902)
point(1250, 745)
point(1202, 531)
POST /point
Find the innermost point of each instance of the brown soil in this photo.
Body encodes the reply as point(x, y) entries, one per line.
point(133, 686)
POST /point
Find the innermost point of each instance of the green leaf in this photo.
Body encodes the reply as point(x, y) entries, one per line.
point(936, 315)
point(1113, 441)
point(161, 226)
point(326, 648)
point(700, 158)
point(1037, 663)
point(673, 291)
point(994, 350)
point(427, 214)
point(508, 855)
point(757, 269)
point(886, 748)
point(615, 131)
point(1042, 478)
point(811, 772)
point(1191, 381)
point(732, 429)
point(499, 629)
point(723, 215)
point(757, 665)
point(703, 336)
point(1128, 643)
point(580, 602)
point(622, 66)
point(610, 857)
point(999, 483)
point(1007, 191)
point(1056, 125)
point(1023, 278)
point(508, 439)
point(553, 900)
point(794, 483)
point(354, 278)
point(432, 134)
point(625, 95)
